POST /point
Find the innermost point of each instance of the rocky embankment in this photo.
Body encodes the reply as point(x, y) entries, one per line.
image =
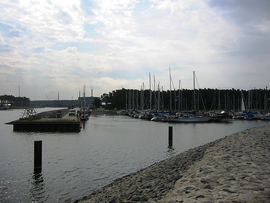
point(232, 169)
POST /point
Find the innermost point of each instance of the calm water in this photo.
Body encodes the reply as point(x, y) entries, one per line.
point(76, 164)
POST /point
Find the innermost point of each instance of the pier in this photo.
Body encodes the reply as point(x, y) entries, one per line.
point(51, 121)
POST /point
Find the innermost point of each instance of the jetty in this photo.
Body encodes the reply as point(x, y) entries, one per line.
point(50, 121)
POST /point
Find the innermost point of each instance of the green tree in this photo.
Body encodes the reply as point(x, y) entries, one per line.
point(96, 102)
point(206, 99)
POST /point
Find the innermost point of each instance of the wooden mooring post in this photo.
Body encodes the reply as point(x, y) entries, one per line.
point(38, 156)
point(170, 136)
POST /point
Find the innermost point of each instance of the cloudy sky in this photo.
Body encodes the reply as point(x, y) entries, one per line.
point(51, 46)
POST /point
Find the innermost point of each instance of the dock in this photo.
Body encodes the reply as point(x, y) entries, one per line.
point(50, 121)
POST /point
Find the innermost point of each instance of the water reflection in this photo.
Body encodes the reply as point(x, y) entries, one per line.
point(132, 144)
point(38, 187)
point(170, 148)
point(170, 151)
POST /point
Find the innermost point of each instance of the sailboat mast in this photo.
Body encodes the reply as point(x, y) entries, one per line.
point(170, 89)
point(179, 96)
point(162, 97)
point(243, 106)
point(150, 92)
point(142, 97)
point(155, 105)
point(194, 90)
point(126, 101)
point(158, 97)
point(219, 104)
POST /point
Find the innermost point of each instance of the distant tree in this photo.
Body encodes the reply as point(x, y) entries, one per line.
point(97, 102)
point(14, 101)
point(206, 99)
point(105, 98)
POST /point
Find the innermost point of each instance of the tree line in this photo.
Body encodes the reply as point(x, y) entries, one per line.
point(14, 101)
point(185, 100)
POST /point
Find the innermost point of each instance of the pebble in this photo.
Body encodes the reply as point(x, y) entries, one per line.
point(232, 169)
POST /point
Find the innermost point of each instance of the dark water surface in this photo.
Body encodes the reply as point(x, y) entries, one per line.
point(76, 164)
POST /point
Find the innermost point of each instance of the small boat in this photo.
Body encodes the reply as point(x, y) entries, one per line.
point(5, 106)
point(239, 117)
point(190, 119)
point(146, 116)
point(265, 117)
point(136, 116)
point(159, 118)
point(122, 112)
point(252, 116)
point(222, 115)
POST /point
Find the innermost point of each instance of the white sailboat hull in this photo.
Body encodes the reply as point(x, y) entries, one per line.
point(190, 120)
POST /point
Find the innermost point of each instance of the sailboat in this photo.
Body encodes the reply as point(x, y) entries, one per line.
point(251, 115)
point(265, 117)
point(241, 115)
point(190, 117)
point(246, 114)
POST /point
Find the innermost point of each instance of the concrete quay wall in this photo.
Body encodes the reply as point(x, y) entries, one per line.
point(48, 122)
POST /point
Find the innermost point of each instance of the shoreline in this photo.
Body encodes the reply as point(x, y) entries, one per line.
point(234, 168)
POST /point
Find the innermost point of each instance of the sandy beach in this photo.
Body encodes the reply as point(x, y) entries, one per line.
point(233, 169)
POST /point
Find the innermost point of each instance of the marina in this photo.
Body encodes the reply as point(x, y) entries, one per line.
point(72, 120)
point(109, 147)
point(121, 101)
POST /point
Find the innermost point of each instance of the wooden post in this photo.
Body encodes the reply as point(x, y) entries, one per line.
point(38, 155)
point(170, 136)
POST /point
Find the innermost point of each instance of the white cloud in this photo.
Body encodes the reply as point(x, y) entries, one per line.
point(60, 20)
point(59, 45)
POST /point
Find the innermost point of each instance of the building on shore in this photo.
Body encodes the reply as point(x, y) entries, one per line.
point(63, 103)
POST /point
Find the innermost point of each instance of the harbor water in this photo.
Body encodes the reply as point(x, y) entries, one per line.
point(109, 147)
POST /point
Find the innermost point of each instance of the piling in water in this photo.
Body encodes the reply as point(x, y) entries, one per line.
point(170, 136)
point(38, 155)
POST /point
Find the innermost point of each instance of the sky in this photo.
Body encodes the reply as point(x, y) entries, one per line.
point(59, 46)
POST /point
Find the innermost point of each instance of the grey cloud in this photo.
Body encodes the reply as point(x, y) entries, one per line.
point(243, 11)
point(249, 16)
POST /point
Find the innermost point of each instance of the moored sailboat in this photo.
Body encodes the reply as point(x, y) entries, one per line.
point(190, 117)
point(265, 117)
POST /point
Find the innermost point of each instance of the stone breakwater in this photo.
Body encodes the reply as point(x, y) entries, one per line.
point(233, 169)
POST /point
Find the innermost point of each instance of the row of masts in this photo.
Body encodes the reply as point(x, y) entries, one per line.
point(155, 99)
point(130, 99)
point(182, 100)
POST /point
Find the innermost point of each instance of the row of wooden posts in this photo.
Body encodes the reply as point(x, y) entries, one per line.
point(38, 150)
